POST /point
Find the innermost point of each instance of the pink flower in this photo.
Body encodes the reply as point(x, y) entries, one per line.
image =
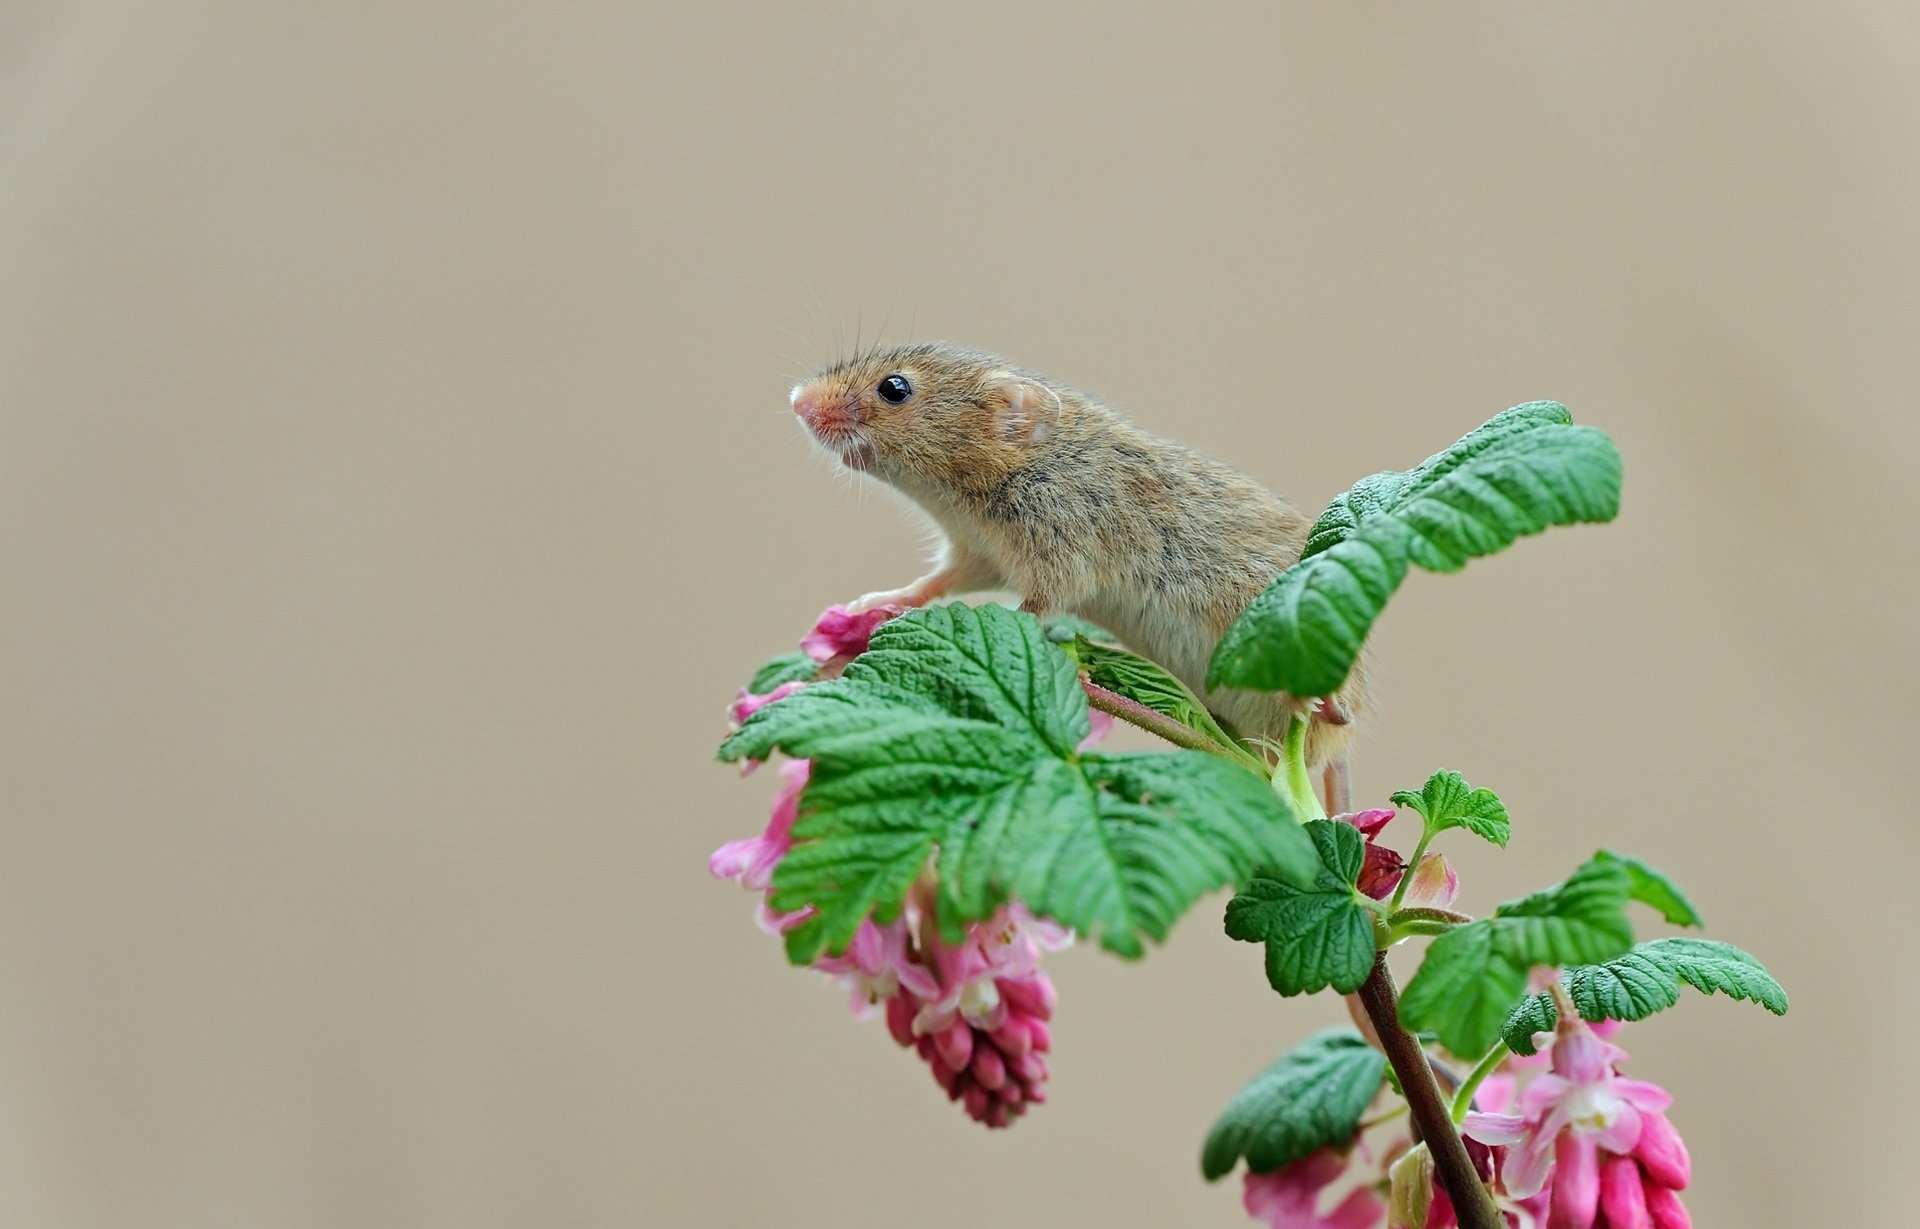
point(1100, 725)
point(1381, 871)
point(747, 704)
point(1007, 945)
point(838, 633)
point(1434, 885)
point(835, 638)
point(1289, 1197)
point(1602, 1139)
point(876, 964)
point(750, 862)
point(995, 1072)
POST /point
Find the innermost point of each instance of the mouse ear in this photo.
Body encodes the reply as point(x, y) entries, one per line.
point(1028, 412)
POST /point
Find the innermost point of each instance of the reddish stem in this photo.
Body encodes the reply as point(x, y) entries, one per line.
point(1431, 1114)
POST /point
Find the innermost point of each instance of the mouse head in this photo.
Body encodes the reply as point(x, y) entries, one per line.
point(930, 416)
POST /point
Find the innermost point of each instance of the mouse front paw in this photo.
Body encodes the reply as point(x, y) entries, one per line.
point(869, 602)
point(919, 593)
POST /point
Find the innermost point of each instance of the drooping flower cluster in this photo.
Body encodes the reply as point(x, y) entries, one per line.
point(1597, 1144)
point(976, 1011)
point(980, 1020)
point(1576, 1146)
point(1561, 1138)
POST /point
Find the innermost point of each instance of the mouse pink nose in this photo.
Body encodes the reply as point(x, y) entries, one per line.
point(819, 409)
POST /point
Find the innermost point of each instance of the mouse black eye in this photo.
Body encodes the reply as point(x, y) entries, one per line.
point(895, 389)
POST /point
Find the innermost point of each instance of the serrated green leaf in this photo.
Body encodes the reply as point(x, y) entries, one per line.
point(1148, 683)
point(1447, 801)
point(1514, 476)
point(953, 738)
point(985, 662)
point(793, 667)
point(1313, 1096)
point(1473, 977)
point(1536, 1014)
point(1318, 937)
point(1483, 438)
point(1304, 632)
point(1647, 980)
point(1652, 887)
point(1580, 920)
point(1370, 496)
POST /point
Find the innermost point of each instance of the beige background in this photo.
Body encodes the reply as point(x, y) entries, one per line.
point(396, 480)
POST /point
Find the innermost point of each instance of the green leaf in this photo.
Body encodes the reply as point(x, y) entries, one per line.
point(793, 667)
point(1652, 887)
point(1536, 1014)
point(1149, 684)
point(1378, 493)
point(1064, 629)
point(1514, 476)
point(1647, 980)
point(985, 662)
point(1574, 922)
point(1319, 937)
point(1313, 1096)
point(1368, 497)
point(1447, 801)
point(953, 739)
point(1473, 977)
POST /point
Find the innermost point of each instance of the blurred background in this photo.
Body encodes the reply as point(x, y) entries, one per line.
point(396, 481)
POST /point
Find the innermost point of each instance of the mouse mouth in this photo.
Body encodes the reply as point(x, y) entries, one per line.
point(847, 445)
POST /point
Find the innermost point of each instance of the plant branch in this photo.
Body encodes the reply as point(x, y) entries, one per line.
point(1431, 1113)
point(1178, 733)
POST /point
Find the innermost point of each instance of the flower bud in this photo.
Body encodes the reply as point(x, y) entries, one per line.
point(954, 1045)
point(1576, 1184)
point(1621, 1199)
point(1030, 996)
point(1410, 1189)
point(1663, 1153)
point(1014, 1037)
point(1665, 1209)
point(988, 1067)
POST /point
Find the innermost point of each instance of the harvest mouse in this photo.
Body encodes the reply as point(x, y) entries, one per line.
point(1040, 489)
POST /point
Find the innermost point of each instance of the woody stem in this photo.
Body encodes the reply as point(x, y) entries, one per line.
point(1431, 1113)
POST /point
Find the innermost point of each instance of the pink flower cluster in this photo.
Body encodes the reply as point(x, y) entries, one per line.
point(1562, 1139)
point(980, 1020)
point(977, 1011)
point(1578, 1146)
point(1594, 1144)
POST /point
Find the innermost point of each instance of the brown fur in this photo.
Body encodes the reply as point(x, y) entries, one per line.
point(1041, 489)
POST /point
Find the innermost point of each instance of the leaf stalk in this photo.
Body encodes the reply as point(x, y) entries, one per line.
point(1488, 1064)
point(1413, 865)
point(1178, 733)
